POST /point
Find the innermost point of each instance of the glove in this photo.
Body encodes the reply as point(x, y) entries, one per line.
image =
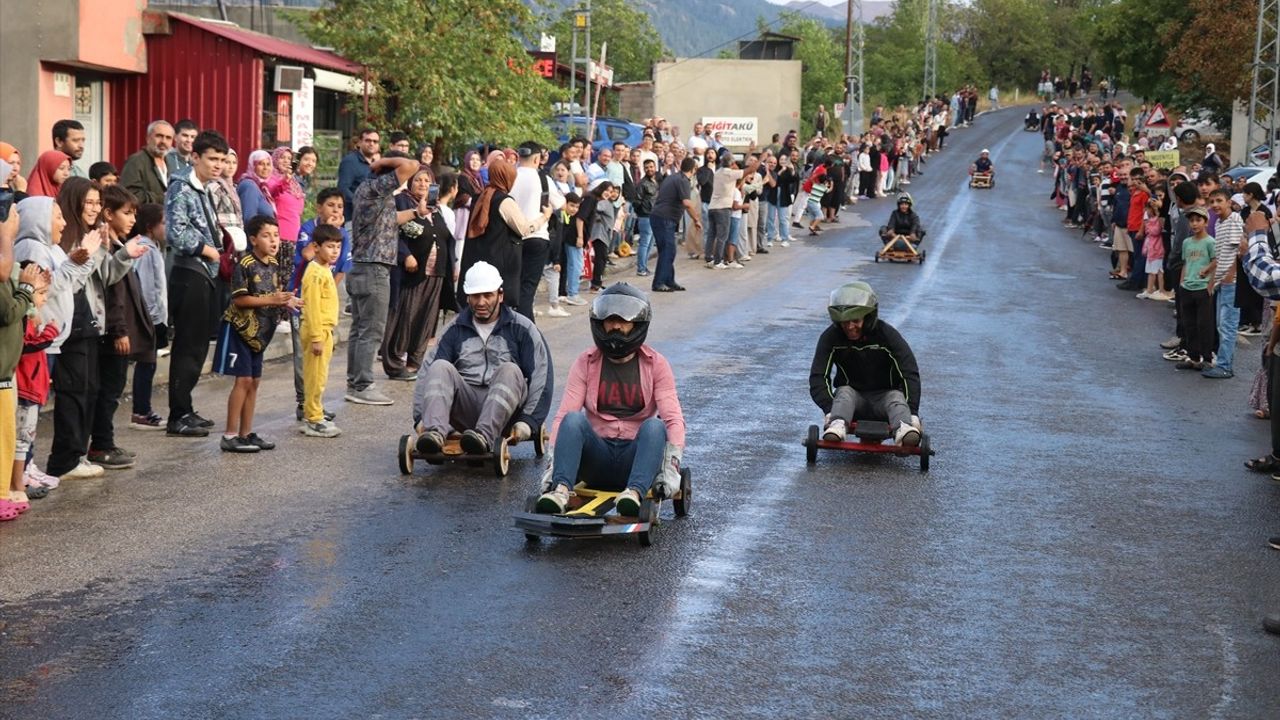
point(520, 431)
point(915, 422)
point(667, 481)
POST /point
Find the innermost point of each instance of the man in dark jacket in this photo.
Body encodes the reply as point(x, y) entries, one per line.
point(903, 221)
point(145, 173)
point(864, 369)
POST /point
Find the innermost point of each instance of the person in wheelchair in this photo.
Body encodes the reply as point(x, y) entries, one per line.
point(489, 367)
point(903, 221)
point(983, 166)
point(619, 426)
point(863, 369)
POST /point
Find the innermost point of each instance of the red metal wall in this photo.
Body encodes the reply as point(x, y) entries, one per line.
point(191, 74)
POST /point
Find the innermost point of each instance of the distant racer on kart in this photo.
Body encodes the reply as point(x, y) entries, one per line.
point(983, 165)
point(864, 370)
point(903, 221)
point(620, 426)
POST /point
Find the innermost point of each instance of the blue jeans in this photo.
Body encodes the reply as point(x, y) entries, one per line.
point(735, 235)
point(1224, 298)
point(664, 236)
point(573, 270)
point(777, 224)
point(608, 464)
point(644, 226)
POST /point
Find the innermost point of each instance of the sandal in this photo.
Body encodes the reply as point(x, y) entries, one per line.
point(8, 511)
point(1268, 464)
point(1262, 414)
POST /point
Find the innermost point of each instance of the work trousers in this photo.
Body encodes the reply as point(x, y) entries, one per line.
point(851, 405)
point(453, 403)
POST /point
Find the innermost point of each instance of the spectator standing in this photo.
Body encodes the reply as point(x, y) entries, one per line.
point(68, 139)
point(497, 226)
point(320, 298)
point(52, 169)
point(356, 165)
point(255, 194)
point(531, 192)
point(179, 159)
point(1227, 238)
point(146, 172)
point(1197, 297)
point(675, 198)
point(154, 286)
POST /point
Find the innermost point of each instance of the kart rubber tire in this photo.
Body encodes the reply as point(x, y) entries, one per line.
point(540, 441)
point(877, 257)
point(648, 509)
point(922, 256)
point(682, 503)
point(811, 446)
point(404, 454)
point(501, 459)
point(925, 452)
point(532, 539)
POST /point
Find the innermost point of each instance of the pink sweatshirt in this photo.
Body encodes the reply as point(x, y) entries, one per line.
point(659, 387)
point(288, 207)
point(1153, 242)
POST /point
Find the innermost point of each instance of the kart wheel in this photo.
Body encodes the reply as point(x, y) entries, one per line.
point(811, 446)
point(540, 442)
point(877, 257)
point(924, 453)
point(405, 454)
point(648, 510)
point(922, 256)
point(532, 539)
point(501, 459)
point(683, 502)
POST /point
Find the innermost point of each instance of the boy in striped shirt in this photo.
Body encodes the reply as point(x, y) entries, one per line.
point(1226, 246)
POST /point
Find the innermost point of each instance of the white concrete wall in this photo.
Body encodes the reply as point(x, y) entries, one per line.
point(686, 90)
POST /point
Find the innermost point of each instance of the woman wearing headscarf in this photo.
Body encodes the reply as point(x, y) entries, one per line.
point(288, 197)
point(13, 180)
point(53, 167)
point(497, 228)
point(493, 157)
point(426, 260)
point(255, 196)
point(470, 185)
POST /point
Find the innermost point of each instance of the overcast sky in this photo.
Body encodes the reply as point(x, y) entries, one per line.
point(824, 2)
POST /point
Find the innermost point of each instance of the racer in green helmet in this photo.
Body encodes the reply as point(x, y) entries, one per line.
point(863, 369)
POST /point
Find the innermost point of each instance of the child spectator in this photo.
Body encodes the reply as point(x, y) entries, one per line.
point(15, 300)
point(1153, 250)
point(561, 232)
point(104, 173)
point(1197, 302)
point(127, 328)
point(33, 390)
point(820, 187)
point(247, 328)
point(154, 286)
point(1227, 238)
point(329, 211)
point(320, 298)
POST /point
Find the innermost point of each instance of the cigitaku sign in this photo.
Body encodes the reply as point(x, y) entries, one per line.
point(735, 131)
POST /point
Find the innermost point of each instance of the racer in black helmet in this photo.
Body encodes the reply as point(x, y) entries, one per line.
point(903, 221)
point(863, 369)
point(619, 426)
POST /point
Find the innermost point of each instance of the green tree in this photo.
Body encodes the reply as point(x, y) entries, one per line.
point(894, 55)
point(634, 44)
point(1132, 40)
point(822, 57)
point(453, 72)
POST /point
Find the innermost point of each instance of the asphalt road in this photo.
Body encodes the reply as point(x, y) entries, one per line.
point(1087, 544)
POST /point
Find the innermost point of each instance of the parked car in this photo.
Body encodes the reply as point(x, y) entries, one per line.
point(1193, 125)
point(1243, 171)
point(609, 130)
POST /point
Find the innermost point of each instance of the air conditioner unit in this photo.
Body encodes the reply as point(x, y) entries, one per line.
point(288, 78)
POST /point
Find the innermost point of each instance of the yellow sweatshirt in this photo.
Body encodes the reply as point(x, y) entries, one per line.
point(319, 303)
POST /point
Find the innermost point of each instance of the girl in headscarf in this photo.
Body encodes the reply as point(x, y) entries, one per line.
point(494, 156)
point(13, 179)
point(469, 186)
point(289, 199)
point(53, 167)
point(255, 196)
point(496, 230)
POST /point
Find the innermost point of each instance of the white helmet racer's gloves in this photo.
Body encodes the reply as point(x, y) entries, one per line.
point(520, 431)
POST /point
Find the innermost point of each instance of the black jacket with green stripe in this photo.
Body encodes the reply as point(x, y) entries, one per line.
point(880, 360)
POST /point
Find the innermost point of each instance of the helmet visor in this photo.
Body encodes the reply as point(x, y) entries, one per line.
point(845, 313)
point(623, 307)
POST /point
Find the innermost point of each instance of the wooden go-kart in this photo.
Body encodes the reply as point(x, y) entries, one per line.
point(591, 514)
point(871, 436)
point(982, 180)
point(900, 248)
point(500, 456)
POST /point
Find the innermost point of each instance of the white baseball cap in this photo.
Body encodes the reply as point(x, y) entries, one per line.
point(482, 278)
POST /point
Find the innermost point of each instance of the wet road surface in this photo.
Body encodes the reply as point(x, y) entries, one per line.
point(1086, 545)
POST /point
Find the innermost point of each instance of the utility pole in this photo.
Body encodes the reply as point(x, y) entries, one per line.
point(1264, 97)
point(853, 77)
point(931, 51)
point(581, 23)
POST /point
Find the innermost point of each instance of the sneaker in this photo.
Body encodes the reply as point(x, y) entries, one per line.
point(473, 443)
point(1175, 355)
point(429, 443)
point(557, 311)
point(1274, 542)
point(736, 265)
point(146, 422)
point(574, 300)
point(201, 421)
point(112, 459)
point(1144, 295)
point(797, 225)
point(786, 243)
point(298, 413)
point(627, 503)
point(368, 396)
point(82, 471)
point(554, 502)
point(404, 377)
point(261, 442)
point(836, 431)
point(1172, 343)
point(237, 444)
point(324, 429)
point(709, 265)
point(185, 427)
point(1217, 373)
point(282, 328)
point(719, 266)
point(36, 475)
point(907, 436)
point(1251, 330)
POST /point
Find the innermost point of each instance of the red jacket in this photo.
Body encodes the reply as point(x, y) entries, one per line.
point(1137, 205)
point(33, 367)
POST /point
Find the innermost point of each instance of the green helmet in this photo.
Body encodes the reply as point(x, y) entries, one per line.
point(853, 301)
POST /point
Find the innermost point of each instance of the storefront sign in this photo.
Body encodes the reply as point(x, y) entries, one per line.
point(733, 131)
point(304, 114)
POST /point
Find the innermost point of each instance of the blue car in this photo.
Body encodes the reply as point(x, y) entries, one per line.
point(608, 130)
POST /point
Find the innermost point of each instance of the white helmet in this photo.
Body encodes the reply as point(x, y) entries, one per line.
point(482, 278)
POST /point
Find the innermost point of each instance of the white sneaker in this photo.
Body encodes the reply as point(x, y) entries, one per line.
point(322, 429)
point(627, 503)
point(836, 431)
point(1144, 295)
point(82, 471)
point(574, 300)
point(736, 265)
point(557, 311)
point(906, 436)
point(747, 258)
point(786, 243)
point(719, 266)
point(35, 475)
point(538, 312)
point(554, 502)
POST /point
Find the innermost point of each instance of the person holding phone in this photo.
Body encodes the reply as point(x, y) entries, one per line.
point(426, 257)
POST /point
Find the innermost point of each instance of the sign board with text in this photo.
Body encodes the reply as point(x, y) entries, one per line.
point(734, 131)
point(1166, 159)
